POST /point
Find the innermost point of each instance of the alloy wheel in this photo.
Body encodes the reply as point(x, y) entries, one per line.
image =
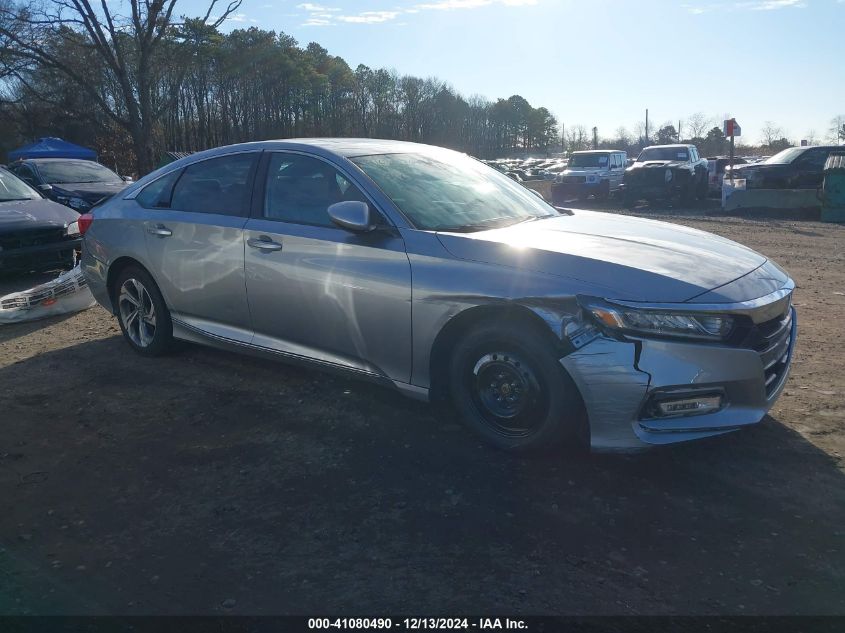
point(137, 312)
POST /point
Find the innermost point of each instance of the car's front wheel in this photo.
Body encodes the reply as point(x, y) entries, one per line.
point(143, 316)
point(509, 388)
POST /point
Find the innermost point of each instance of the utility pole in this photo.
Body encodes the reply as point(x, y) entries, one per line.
point(646, 126)
point(595, 138)
point(679, 130)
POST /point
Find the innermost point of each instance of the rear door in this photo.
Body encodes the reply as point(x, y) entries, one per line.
point(194, 236)
point(319, 291)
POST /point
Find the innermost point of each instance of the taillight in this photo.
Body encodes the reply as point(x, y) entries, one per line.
point(84, 222)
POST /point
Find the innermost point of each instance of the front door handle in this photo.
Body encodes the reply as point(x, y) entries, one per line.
point(160, 230)
point(264, 243)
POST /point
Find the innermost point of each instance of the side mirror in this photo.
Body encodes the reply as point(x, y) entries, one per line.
point(352, 215)
point(126, 178)
point(45, 187)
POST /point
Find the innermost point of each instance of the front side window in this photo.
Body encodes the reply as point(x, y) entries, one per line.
point(56, 172)
point(451, 192)
point(814, 159)
point(13, 188)
point(25, 173)
point(300, 189)
point(217, 185)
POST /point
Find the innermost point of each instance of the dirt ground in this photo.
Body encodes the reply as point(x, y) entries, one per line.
point(208, 483)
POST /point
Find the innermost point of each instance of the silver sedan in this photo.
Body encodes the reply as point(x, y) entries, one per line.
point(427, 271)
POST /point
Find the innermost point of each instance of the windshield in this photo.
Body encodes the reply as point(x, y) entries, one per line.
point(785, 157)
point(588, 160)
point(452, 192)
point(13, 188)
point(58, 172)
point(663, 153)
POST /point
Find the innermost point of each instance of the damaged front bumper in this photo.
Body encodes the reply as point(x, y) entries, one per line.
point(620, 380)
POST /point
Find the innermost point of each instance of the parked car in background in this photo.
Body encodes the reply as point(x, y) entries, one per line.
point(716, 166)
point(35, 234)
point(667, 171)
point(76, 183)
point(793, 168)
point(591, 173)
point(422, 269)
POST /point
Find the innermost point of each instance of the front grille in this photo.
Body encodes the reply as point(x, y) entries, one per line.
point(35, 237)
point(773, 341)
point(574, 179)
point(31, 298)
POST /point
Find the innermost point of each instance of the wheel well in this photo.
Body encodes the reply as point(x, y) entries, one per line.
point(505, 316)
point(117, 267)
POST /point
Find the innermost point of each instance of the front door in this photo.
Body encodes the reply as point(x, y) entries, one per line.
point(321, 292)
point(194, 235)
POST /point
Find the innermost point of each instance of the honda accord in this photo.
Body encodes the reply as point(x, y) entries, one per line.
point(425, 270)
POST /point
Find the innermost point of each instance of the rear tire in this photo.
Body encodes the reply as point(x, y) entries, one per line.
point(141, 312)
point(511, 390)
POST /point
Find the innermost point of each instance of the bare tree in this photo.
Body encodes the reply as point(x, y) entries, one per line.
point(698, 124)
point(771, 133)
point(126, 38)
point(836, 133)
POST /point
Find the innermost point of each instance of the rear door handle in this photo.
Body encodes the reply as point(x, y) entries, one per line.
point(264, 243)
point(160, 230)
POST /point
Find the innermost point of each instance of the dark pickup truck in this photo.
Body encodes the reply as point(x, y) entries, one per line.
point(793, 168)
point(666, 171)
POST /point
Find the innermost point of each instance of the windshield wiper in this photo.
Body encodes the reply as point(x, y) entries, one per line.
point(493, 223)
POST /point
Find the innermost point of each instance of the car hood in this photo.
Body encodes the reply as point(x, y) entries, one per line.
point(89, 191)
point(621, 257)
point(20, 215)
point(652, 164)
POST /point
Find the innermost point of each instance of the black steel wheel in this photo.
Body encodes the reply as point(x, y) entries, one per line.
point(509, 387)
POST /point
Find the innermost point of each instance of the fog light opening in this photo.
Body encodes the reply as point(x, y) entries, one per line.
point(666, 407)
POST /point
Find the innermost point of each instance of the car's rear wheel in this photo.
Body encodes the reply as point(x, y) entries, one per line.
point(510, 389)
point(141, 312)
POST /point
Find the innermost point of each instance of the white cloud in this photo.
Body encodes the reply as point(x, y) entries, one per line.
point(369, 17)
point(320, 15)
point(746, 5)
point(316, 8)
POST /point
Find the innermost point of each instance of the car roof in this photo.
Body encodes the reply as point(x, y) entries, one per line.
point(56, 160)
point(356, 146)
point(599, 151)
point(684, 145)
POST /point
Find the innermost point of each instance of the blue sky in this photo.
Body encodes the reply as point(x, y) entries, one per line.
point(597, 62)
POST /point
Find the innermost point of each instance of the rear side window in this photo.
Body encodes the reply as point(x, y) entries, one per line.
point(217, 185)
point(156, 195)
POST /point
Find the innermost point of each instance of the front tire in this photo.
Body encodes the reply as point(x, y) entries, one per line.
point(141, 312)
point(510, 389)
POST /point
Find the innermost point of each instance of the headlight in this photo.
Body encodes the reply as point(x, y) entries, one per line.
point(79, 204)
point(72, 229)
point(668, 175)
point(639, 322)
